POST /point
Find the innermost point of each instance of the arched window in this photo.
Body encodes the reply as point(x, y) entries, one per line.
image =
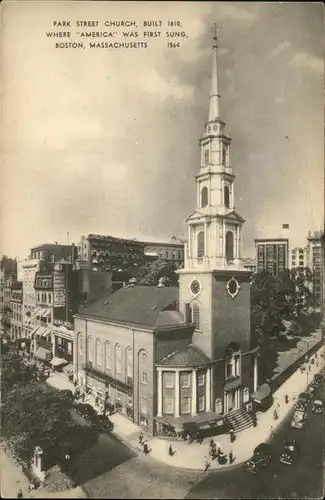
point(108, 355)
point(245, 395)
point(118, 366)
point(89, 348)
point(196, 316)
point(218, 406)
point(143, 367)
point(229, 245)
point(98, 353)
point(204, 196)
point(226, 195)
point(200, 244)
point(129, 362)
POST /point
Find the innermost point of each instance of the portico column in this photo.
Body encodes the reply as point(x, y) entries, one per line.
point(224, 240)
point(255, 373)
point(177, 393)
point(208, 390)
point(189, 244)
point(205, 240)
point(160, 399)
point(194, 394)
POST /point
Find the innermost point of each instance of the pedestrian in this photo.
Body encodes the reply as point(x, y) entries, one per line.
point(272, 431)
point(198, 439)
point(83, 397)
point(145, 449)
point(275, 415)
point(286, 398)
point(207, 465)
point(20, 493)
point(231, 457)
point(232, 435)
point(170, 451)
point(67, 455)
point(140, 438)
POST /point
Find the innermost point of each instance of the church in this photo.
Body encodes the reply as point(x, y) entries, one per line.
point(180, 359)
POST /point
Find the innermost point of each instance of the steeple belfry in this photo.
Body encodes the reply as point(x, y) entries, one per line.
point(214, 95)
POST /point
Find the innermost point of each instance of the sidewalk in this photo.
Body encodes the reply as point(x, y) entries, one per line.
point(193, 456)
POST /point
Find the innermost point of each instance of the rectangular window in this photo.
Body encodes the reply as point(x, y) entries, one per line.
point(169, 406)
point(201, 403)
point(59, 340)
point(118, 396)
point(185, 405)
point(144, 378)
point(169, 380)
point(200, 379)
point(129, 400)
point(186, 381)
point(69, 347)
point(144, 405)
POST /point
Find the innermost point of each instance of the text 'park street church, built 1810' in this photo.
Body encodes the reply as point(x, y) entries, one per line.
point(181, 359)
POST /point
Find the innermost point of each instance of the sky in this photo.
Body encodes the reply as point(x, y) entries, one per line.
point(105, 141)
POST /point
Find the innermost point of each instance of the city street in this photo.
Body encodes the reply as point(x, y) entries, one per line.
point(302, 480)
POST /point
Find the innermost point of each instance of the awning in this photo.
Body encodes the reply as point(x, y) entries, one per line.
point(36, 312)
point(46, 313)
point(32, 332)
point(262, 392)
point(45, 332)
point(58, 362)
point(42, 353)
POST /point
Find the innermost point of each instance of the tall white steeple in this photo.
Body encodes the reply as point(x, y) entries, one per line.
point(214, 95)
point(215, 227)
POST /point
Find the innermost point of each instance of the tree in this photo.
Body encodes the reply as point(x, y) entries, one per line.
point(36, 413)
point(150, 273)
point(9, 265)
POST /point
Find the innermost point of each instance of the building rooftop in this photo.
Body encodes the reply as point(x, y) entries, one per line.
point(147, 306)
point(188, 356)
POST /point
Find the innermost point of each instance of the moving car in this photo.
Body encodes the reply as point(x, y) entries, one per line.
point(262, 457)
point(290, 453)
point(299, 419)
point(317, 406)
point(86, 411)
point(103, 423)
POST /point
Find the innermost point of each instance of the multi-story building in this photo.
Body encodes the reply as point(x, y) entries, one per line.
point(54, 252)
point(175, 359)
point(315, 251)
point(16, 306)
point(30, 268)
point(171, 251)
point(107, 253)
point(299, 257)
point(272, 255)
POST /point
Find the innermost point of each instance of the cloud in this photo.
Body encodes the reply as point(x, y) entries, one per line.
point(238, 14)
point(162, 88)
point(306, 60)
point(281, 47)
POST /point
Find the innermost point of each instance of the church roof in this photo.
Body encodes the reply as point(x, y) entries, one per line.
point(147, 306)
point(189, 356)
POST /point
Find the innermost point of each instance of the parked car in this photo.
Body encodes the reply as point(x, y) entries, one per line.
point(299, 419)
point(290, 453)
point(317, 406)
point(86, 411)
point(301, 406)
point(103, 423)
point(262, 457)
point(305, 396)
